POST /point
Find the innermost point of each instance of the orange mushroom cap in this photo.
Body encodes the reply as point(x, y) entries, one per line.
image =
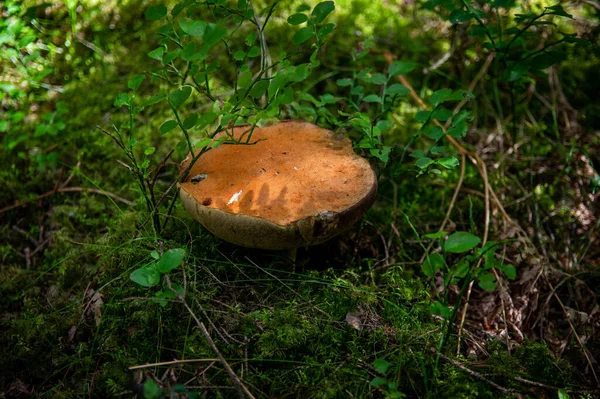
point(294, 185)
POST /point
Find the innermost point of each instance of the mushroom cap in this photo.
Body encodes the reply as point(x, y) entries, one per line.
point(294, 185)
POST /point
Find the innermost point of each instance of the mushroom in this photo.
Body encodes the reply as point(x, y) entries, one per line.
point(293, 185)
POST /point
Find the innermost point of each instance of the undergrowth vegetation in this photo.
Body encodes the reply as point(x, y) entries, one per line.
point(475, 274)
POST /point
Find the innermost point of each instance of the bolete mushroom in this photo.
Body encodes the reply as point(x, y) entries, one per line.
point(294, 185)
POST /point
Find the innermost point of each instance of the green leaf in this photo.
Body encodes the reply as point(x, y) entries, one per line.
point(487, 282)
point(440, 96)
point(436, 133)
point(558, 10)
point(190, 121)
point(448, 162)
point(178, 97)
point(206, 119)
point(435, 236)
point(250, 39)
point(122, 99)
point(383, 153)
point(170, 56)
point(151, 389)
point(401, 68)
point(157, 53)
point(302, 35)
point(154, 255)
point(192, 27)
point(297, 19)
point(168, 126)
point(189, 52)
point(343, 82)
point(441, 114)
point(325, 30)
point(424, 162)
point(322, 10)
point(461, 242)
point(377, 78)
point(438, 308)
point(422, 116)
point(432, 264)
point(517, 70)
point(372, 98)
point(259, 89)
point(397, 90)
point(213, 33)
point(254, 52)
point(378, 381)
point(170, 260)
point(135, 82)
point(154, 13)
point(3, 126)
point(149, 151)
point(381, 365)
point(154, 99)
point(146, 276)
point(509, 271)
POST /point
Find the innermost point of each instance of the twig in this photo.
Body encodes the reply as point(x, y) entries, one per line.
point(143, 366)
point(476, 375)
point(234, 378)
point(579, 341)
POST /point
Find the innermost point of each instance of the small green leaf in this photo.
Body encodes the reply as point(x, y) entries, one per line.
point(192, 27)
point(168, 126)
point(157, 53)
point(438, 308)
point(558, 10)
point(250, 39)
point(259, 89)
point(397, 90)
point(461, 242)
point(424, 162)
point(190, 121)
point(170, 260)
point(372, 98)
point(509, 271)
point(154, 255)
point(401, 68)
point(440, 96)
point(213, 34)
point(381, 365)
point(170, 56)
point(325, 30)
point(435, 236)
point(151, 389)
point(154, 99)
point(343, 82)
point(206, 119)
point(146, 276)
point(377, 78)
point(254, 52)
point(302, 35)
point(422, 116)
point(122, 99)
point(436, 133)
point(432, 264)
point(154, 13)
point(448, 162)
point(178, 97)
point(487, 282)
point(378, 381)
point(239, 55)
point(442, 114)
point(297, 19)
point(322, 10)
point(135, 82)
point(149, 151)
